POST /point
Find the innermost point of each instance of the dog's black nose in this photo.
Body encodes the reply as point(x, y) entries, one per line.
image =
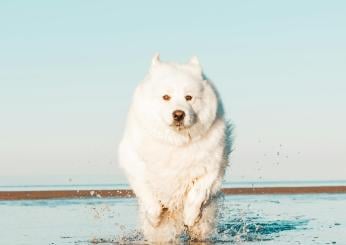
point(178, 115)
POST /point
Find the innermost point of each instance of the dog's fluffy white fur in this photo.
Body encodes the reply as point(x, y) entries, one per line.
point(175, 167)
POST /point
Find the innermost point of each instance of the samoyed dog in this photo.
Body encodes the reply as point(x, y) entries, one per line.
point(175, 150)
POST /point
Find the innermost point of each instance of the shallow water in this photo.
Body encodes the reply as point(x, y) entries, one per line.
point(245, 219)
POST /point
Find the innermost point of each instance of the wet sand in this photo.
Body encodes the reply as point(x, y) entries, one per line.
point(75, 194)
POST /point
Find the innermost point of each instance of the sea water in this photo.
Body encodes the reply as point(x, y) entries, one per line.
point(243, 219)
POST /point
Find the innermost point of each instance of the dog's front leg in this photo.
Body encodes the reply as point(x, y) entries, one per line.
point(135, 170)
point(199, 195)
point(151, 207)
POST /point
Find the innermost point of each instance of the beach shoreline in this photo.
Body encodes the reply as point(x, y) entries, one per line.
point(127, 193)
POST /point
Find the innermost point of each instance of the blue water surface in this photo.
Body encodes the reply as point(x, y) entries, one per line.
point(243, 219)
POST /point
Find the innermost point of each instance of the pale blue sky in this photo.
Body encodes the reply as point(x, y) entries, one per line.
point(68, 69)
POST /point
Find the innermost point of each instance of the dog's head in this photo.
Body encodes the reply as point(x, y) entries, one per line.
point(175, 101)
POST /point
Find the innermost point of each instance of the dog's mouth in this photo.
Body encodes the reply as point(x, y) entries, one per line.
point(178, 126)
point(181, 128)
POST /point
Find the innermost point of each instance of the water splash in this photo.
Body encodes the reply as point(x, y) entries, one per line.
point(253, 229)
point(250, 229)
point(238, 222)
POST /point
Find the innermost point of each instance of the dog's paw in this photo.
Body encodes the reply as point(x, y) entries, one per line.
point(192, 216)
point(153, 214)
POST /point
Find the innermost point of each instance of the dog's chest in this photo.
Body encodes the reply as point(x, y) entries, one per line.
point(171, 170)
point(163, 159)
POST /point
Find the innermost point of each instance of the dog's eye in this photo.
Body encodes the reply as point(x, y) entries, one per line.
point(188, 97)
point(166, 97)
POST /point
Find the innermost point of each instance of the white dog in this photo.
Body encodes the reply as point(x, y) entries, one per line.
point(175, 150)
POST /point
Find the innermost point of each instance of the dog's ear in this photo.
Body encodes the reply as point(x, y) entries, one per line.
point(194, 61)
point(155, 60)
point(194, 65)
